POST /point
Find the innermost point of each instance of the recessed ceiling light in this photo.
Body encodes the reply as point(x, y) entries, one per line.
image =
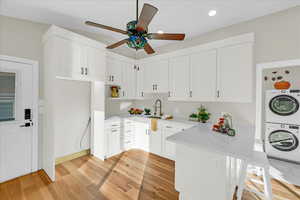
point(212, 13)
point(160, 32)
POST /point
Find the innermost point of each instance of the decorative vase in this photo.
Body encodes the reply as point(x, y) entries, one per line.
point(114, 92)
point(282, 85)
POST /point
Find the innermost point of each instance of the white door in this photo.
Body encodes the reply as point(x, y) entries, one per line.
point(140, 82)
point(114, 69)
point(72, 59)
point(235, 69)
point(142, 136)
point(155, 142)
point(162, 76)
point(149, 77)
point(128, 81)
point(180, 78)
point(17, 146)
point(96, 69)
point(203, 82)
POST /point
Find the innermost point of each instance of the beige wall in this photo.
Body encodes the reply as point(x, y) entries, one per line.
point(277, 37)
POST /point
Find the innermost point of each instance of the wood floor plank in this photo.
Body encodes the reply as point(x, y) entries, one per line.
point(132, 175)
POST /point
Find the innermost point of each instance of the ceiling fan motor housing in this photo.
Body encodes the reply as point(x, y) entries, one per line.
point(137, 39)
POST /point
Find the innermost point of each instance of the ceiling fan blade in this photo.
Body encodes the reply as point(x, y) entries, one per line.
point(105, 27)
point(146, 17)
point(148, 49)
point(117, 44)
point(166, 36)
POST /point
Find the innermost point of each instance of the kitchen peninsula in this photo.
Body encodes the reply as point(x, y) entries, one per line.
point(207, 162)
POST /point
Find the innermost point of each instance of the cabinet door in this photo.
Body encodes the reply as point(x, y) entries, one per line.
point(203, 82)
point(169, 148)
point(71, 57)
point(128, 86)
point(142, 136)
point(156, 142)
point(235, 69)
point(114, 72)
point(96, 68)
point(140, 82)
point(114, 144)
point(161, 69)
point(149, 77)
point(179, 78)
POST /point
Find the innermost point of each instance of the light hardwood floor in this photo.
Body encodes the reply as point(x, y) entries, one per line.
point(133, 175)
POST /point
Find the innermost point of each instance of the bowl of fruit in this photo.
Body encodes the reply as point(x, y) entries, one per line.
point(135, 111)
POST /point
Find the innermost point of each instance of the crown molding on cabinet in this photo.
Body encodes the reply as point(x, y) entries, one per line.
point(55, 31)
point(245, 38)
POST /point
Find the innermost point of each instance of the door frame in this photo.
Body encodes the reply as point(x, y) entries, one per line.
point(259, 133)
point(35, 105)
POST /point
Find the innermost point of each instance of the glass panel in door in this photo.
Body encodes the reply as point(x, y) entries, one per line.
point(7, 96)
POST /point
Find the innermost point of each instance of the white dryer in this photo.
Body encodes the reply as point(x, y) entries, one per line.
point(282, 142)
point(282, 106)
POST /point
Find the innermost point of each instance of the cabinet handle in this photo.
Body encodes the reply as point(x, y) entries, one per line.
point(142, 94)
point(114, 130)
point(191, 93)
point(82, 72)
point(169, 94)
point(123, 93)
point(112, 78)
point(218, 94)
point(169, 127)
point(86, 71)
point(109, 79)
point(155, 87)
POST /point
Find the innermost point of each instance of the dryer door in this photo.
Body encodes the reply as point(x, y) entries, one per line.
point(284, 105)
point(283, 140)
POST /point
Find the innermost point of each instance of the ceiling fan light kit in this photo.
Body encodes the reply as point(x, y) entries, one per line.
point(137, 31)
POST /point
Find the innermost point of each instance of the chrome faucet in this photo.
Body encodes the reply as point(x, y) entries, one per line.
point(158, 104)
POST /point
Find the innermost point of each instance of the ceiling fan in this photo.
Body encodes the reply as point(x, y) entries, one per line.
point(137, 30)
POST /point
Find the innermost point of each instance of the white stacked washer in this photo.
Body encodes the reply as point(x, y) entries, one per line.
point(282, 124)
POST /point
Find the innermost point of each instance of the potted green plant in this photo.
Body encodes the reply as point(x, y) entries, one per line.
point(193, 117)
point(203, 114)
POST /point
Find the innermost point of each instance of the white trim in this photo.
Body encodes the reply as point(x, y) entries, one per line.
point(55, 31)
point(240, 39)
point(259, 95)
point(35, 116)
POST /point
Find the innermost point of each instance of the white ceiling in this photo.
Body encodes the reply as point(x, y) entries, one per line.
point(187, 16)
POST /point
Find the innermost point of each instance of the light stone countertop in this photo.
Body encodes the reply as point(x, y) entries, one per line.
point(201, 136)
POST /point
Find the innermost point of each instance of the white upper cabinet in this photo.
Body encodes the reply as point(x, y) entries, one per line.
point(77, 57)
point(70, 58)
point(161, 69)
point(179, 78)
point(114, 72)
point(203, 76)
point(140, 81)
point(156, 75)
point(128, 86)
point(95, 63)
point(235, 68)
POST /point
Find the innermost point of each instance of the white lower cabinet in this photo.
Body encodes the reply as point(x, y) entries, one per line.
point(156, 142)
point(142, 136)
point(114, 141)
point(127, 134)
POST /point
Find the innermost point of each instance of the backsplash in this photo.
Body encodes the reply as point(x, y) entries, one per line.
point(241, 112)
